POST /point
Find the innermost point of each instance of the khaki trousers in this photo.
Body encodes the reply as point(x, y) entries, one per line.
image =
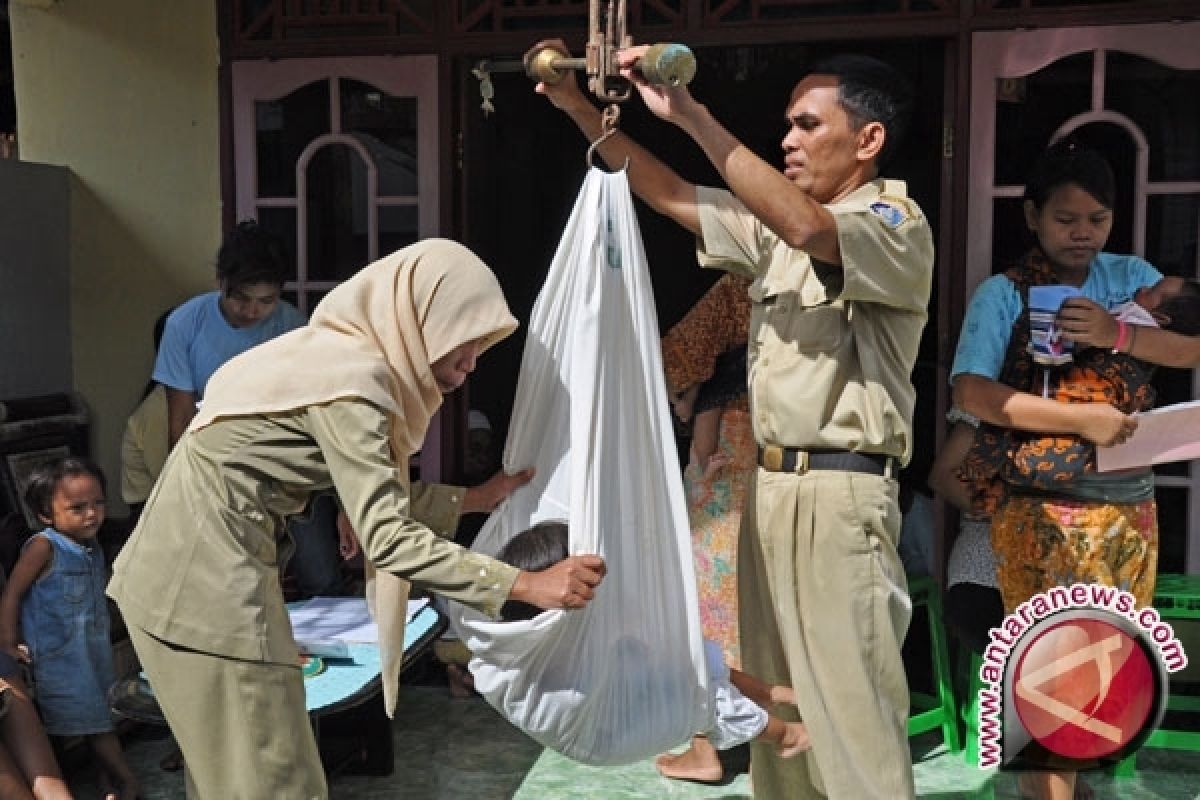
point(241, 725)
point(824, 607)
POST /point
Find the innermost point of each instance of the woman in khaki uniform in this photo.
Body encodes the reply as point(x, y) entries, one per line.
point(341, 403)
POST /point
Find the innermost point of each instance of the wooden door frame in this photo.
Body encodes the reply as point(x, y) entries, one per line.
point(419, 76)
point(1013, 54)
point(415, 75)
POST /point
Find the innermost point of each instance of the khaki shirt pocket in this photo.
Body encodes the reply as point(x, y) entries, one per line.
point(782, 320)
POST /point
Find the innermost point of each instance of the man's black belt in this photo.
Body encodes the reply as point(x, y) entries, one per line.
point(774, 458)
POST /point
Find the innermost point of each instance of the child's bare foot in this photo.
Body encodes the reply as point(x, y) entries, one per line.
point(460, 681)
point(698, 763)
point(687, 767)
point(795, 740)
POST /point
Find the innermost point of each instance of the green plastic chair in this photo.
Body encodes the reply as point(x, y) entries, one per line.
point(970, 707)
point(1176, 597)
point(929, 711)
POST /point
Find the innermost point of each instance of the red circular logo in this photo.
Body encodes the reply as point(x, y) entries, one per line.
point(1084, 688)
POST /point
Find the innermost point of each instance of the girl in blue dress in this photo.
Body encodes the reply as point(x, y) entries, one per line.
point(54, 602)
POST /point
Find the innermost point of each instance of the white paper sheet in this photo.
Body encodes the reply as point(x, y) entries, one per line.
point(339, 618)
point(1170, 433)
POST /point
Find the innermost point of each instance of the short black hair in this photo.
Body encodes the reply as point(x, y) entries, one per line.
point(1070, 163)
point(39, 492)
point(533, 550)
point(1183, 310)
point(160, 326)
point(251, 254)
point(871, 90)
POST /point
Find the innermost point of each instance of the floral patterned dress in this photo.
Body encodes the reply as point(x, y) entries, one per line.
point(703, 349)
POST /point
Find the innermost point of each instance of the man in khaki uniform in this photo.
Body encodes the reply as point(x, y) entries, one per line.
point(842, 261)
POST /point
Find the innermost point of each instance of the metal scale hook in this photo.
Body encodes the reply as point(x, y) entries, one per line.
point(608, 127)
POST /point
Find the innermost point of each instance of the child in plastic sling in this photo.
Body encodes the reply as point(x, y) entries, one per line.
point(739, 700)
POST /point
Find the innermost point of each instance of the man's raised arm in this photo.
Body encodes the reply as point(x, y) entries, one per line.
point(649, 178)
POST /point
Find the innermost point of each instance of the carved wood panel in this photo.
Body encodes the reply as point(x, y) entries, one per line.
point(510, 16)
point(283, 28)
point(256, 22)
point(718, 13)
point(985, 6)
point(260, 21)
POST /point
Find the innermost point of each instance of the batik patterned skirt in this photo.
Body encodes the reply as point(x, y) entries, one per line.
point(715, 506)
point(1041, 543)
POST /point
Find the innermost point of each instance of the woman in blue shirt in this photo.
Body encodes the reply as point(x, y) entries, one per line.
point(1067, 523)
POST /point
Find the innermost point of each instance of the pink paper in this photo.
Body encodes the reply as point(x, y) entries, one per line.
point(1171, 433)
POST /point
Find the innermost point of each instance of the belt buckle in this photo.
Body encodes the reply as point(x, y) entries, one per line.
point(801, 462)
point(772, 458)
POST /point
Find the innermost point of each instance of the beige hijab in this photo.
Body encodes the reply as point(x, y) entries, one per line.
point(375, 337)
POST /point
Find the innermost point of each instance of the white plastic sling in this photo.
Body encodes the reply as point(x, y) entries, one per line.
point(625, 678)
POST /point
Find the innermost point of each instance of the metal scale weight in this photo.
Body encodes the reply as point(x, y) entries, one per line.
point(666, 64)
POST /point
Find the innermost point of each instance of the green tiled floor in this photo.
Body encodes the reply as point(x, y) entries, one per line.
point(461, 749)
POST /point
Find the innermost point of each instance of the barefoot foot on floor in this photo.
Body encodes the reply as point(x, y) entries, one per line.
point(690, 766)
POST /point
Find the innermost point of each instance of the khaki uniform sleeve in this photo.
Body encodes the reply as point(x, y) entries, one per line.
point(731, 238)
point(887, 252)
point(353, 437)
point(437, 506)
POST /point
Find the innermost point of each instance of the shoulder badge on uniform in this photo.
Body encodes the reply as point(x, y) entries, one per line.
point(892, 215)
